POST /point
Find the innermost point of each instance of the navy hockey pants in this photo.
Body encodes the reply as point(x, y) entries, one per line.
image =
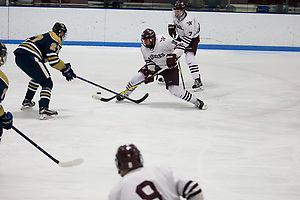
point(38, 72)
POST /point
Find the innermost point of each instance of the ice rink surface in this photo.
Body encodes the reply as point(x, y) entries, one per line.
point(246, 146)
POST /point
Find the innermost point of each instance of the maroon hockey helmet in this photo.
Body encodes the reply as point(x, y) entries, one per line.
point(148, 34)
point(179, 5)
point(128, 157)
point(3, 53)
point(179, 10)
point(59, 28)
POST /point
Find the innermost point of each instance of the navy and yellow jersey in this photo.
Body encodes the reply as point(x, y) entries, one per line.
point(3, 88)
point(45, 47)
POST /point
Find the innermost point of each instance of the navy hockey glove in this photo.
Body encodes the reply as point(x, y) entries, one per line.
point(171, 60)
point(68, 72)
point(172, 30)
point(6, 120)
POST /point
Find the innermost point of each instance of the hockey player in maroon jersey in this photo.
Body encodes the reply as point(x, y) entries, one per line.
point(186, 29)
point(31, 56)
point(6, 118)
point(160, 51)
point(151, 182)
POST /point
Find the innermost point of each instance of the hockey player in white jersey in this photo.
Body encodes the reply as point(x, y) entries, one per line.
point(160, 51)
point(185, 28)
point(157, 182)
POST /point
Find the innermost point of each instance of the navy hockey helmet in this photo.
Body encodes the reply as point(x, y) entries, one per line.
point(128, 157)
point(60, 29)
point(3, 53)
point(150, 35)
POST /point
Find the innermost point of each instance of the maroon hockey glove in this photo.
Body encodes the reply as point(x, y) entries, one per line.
point(172, 30)
point(171, 60)
point(149, 80)
point(147, 73)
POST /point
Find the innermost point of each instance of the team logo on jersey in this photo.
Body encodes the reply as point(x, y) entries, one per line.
point(162, 39)
point(189, 23)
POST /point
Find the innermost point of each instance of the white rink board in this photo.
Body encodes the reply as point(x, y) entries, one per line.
point(113, 25)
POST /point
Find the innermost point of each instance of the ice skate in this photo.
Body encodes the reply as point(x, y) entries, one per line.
point(45, 114)
point(27, 104)
point(197, 85)
point(200, 104)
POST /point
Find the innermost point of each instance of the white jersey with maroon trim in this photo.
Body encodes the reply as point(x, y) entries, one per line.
point(163, 46)
point(187, 27)
point(154, 183)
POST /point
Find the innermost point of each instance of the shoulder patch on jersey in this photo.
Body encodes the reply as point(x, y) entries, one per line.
point(1, 110)
point(162, 39)
point(55, 37)
point(4, 78)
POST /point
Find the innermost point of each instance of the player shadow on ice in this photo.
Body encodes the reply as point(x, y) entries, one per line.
point(159, 105)
point(34, 114)
point(174, 105)
point(29, 113)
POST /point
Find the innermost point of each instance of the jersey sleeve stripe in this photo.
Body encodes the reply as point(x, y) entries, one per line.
point(186, 40)
point(191, 189)
point(193, 194)
point(52, 58)
point(185, 188)
point(51, 54)
point(1, 111)
point(31, 51)
point(4, 78)
point(32, 46)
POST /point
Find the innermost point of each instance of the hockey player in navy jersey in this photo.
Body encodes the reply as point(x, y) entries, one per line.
point(31, 56)
point(185, 28)
point(151, 182)
point(160, 51)
point(6, 118)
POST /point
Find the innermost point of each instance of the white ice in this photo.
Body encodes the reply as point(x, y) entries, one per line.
point(246, 146)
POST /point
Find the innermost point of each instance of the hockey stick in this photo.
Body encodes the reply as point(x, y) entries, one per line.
point(128, 89)
point(104, 88)
point(62, 164)
point(183, 85)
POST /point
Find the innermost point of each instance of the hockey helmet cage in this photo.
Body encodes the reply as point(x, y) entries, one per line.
point(59, 28)
point(3, 53)
point(179, 5)
point(149, 34)
point(128, 157)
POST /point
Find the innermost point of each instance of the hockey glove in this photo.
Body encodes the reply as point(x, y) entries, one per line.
point(148, 76)
point(149, 79)
point(145, 70)
point(68, 72)
point(171, 60)
point(172, 30)
point(6, 120)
